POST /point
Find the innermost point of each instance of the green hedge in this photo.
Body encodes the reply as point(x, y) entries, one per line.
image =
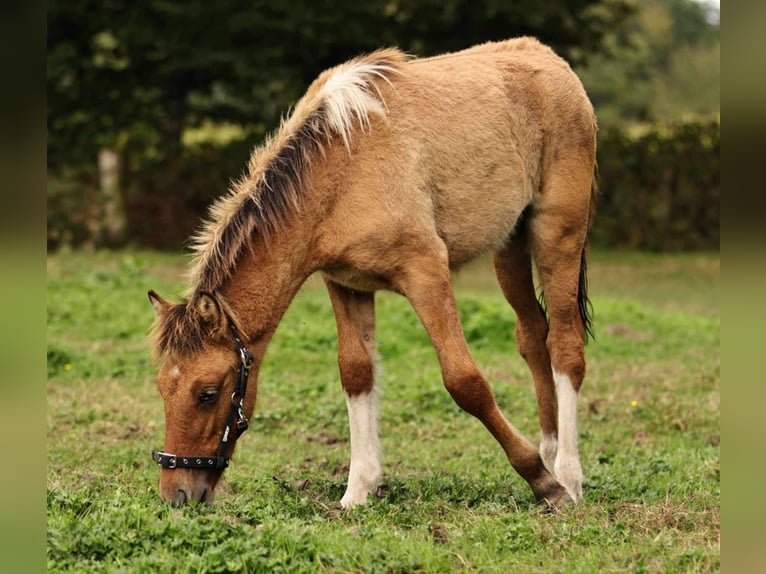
point(164, 200)
point(661, 190)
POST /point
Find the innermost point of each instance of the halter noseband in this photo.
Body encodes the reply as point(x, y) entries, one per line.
point(236, 415)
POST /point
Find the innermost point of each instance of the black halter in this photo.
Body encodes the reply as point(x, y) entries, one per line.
point(236, 415)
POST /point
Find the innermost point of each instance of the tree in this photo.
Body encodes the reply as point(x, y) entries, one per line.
point(663, 64)
point(148, 70)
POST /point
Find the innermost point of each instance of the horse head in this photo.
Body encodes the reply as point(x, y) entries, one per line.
point(203, 376)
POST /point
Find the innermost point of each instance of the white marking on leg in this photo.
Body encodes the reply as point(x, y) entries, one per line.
point(548, 448)
point(567, 469)
point(365, 471)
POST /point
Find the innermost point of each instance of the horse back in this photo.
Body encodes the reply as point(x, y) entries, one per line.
point(463, 148)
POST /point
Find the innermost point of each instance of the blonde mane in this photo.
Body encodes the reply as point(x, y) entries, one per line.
point(342, 100)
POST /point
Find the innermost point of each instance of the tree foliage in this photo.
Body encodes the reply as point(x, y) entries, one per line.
point(124, 72)
point(661, 189)
point(662, 64)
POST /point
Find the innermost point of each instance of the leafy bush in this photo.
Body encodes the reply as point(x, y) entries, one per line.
point(164, 198)
point(72, 206)
point(660, 191)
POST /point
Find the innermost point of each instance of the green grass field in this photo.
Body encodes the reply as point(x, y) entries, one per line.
point(649, 436)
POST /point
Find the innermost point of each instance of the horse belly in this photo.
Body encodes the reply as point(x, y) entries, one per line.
point(476, 222)
point(478, 188)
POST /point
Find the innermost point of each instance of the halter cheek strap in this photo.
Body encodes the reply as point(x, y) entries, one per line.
point(236, 417)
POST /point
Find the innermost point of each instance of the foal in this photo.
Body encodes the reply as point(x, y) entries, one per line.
point(390, 173)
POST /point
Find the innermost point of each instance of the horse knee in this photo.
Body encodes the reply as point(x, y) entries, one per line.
point(472, 394)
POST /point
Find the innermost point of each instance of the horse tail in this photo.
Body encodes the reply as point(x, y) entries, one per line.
point(583, 301)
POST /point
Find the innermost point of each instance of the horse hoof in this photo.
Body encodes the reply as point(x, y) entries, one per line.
point(555, 498)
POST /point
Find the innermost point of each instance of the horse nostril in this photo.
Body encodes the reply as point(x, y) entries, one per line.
point(203, 496)
point(181, 497)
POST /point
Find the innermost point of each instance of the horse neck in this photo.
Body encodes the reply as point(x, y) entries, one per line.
point(265, 282)
point(272, 271)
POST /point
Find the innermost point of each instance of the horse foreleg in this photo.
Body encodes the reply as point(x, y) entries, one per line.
point(426, 283)
point(355, 318)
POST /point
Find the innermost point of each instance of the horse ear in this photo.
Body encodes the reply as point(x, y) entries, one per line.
point(209, 310)
point(158, 303)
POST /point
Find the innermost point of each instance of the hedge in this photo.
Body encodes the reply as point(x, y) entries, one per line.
point(660, 191)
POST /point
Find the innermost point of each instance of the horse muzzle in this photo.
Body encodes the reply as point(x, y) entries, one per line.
point(181, 486)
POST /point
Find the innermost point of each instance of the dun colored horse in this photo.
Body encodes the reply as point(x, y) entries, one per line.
point(391, 172)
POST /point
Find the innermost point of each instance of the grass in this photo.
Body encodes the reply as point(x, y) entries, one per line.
point(649, 436)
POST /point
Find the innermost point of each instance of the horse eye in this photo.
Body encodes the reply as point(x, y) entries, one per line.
point(208, 394)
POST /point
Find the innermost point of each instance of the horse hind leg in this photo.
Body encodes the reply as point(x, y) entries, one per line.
point(357, 356)
point(513, 268)
point(558, 229)
point(426, 283)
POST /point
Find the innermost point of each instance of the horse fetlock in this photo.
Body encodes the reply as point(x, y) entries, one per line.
point(353, 497)
point(548, 450)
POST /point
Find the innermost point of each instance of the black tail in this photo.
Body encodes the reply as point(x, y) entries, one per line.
point(583, 302)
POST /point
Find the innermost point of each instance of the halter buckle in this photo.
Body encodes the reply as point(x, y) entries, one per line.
point(242, 423)
point(246, 357)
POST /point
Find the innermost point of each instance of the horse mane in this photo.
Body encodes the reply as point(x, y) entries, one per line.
point(341, 100)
